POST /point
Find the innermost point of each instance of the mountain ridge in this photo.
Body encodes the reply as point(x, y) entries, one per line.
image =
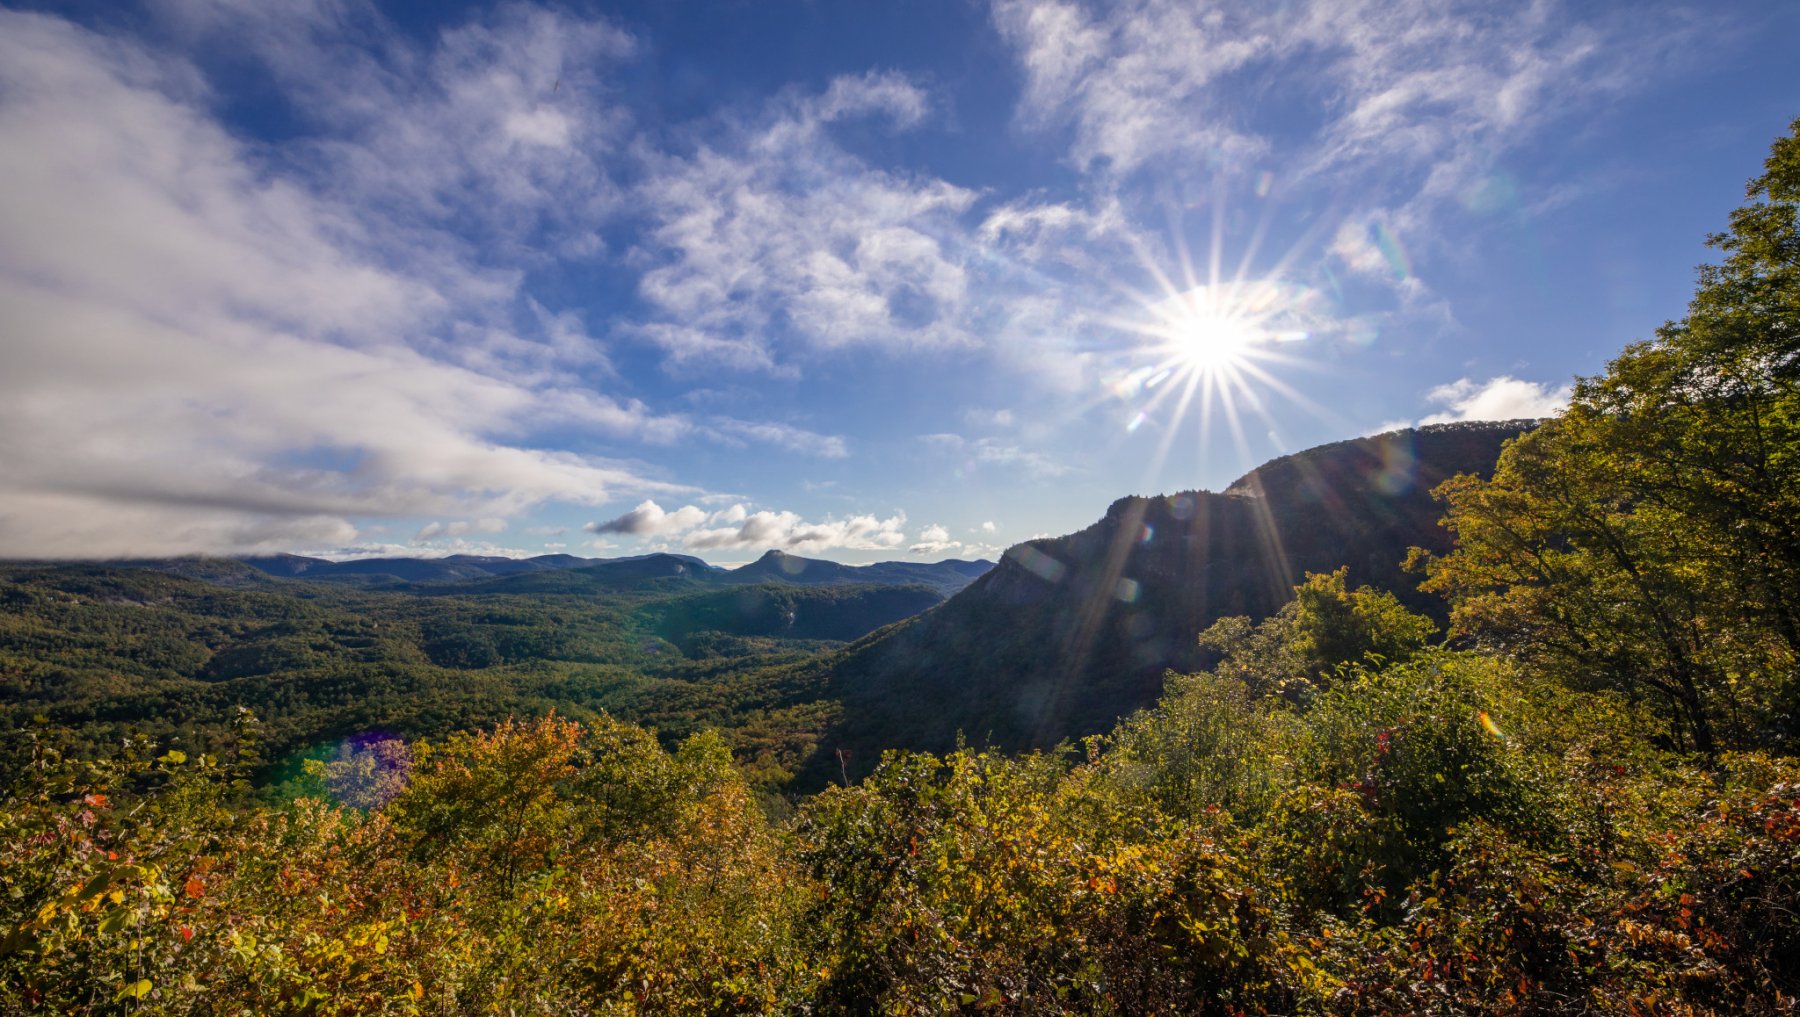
point(1066, 634)
point(464, 571)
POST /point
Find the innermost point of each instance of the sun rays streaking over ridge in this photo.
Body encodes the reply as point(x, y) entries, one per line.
point(1211, 352)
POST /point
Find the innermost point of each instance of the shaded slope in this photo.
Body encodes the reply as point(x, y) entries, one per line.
point(784, 611)
point(597, 577)
point(1069, 633)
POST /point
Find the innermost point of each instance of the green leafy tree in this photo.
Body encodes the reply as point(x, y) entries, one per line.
point(1649, 538)
point(1327, 624)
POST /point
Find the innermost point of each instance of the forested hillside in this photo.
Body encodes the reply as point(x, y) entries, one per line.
point(1584, 800)
point(1069, 634)
point(94, 654)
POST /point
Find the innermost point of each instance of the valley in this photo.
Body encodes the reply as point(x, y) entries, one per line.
point(800, 663)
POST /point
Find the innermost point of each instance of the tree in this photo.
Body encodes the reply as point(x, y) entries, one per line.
point(1649, 538)
point(1327, 624)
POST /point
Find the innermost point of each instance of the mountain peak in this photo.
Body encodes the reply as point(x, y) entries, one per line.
point(1069, 633)
point(776, 562)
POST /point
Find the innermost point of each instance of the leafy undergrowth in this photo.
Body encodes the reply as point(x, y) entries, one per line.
point(1443, 834)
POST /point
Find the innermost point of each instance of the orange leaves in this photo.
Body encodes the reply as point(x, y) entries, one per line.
point(195, 887)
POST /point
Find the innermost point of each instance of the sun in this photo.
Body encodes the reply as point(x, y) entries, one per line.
point(1214, 332)
point(1210, 341)
point(1211, 351)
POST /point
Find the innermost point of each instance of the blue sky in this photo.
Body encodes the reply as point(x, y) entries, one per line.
point(857, 280)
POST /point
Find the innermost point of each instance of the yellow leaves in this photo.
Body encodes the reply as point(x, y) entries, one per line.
point(134, 990)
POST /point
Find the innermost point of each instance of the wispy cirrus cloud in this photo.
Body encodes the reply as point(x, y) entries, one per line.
point(1429, 82)
point(782, 436)
point(997, 452)
point(501, 129)
point(775, 240)
point(1134, 80)
point(1398, 111)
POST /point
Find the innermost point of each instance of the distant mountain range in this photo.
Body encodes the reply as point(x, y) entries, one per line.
point(1068, 634)
point(478, 573)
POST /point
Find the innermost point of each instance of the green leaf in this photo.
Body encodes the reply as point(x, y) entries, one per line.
point(95, 886)
point(134, 990)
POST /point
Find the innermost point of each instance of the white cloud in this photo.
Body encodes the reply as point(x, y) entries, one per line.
point(1134, 79)
point(733, 515)
point(650, 520)
point(1058, 233)
point(994, 451)
point(1429, 82)
point(991, 450)
point(785, 436)
point(1357, 245)
point(936, 540)
point(205, 354)
point(1501, 398)
point(787, 531)
point(736, 527)
point(1409, 106)
point(498, 125)
point(778, 236)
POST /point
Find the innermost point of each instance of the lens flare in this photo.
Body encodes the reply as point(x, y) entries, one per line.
point(1206, 343)
point(1488, 725)
point(1207, 340)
